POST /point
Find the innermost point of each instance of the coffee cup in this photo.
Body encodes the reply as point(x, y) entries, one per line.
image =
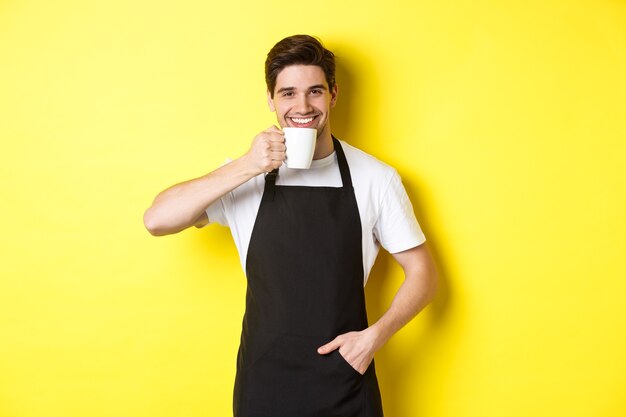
point(300, 143)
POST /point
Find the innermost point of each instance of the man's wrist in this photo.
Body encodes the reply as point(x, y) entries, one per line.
point(378, 335)
point(247, 168)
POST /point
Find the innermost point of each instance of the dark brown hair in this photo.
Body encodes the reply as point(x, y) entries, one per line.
point(298, 50)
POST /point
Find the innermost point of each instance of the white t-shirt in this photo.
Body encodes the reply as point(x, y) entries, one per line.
point(387, 217)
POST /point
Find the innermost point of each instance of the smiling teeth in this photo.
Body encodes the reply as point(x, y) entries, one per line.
point(302, 121)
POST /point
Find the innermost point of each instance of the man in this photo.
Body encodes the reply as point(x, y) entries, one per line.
point(307, 240)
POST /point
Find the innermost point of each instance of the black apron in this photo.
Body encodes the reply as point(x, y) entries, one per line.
point(305, 286)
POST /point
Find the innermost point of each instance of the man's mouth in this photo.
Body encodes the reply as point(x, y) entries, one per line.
point(302, 121)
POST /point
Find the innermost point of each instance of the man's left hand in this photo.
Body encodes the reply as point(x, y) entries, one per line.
point(357, 348)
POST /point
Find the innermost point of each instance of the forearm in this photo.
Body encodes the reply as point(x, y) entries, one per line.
point(179, 206)
point(416, 292)
point(410, 299)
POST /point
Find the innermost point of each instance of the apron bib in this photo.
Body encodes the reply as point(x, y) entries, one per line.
point(305, 286)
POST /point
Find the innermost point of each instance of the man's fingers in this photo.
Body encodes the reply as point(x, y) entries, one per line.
point(267, 151)
point(277, 155)
point(272, 133)
point(279, 148)
point(329, 347)
point(274, 139)
point(276, 135)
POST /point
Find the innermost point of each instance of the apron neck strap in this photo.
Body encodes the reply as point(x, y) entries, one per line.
point(270, 183)
point(346, 179)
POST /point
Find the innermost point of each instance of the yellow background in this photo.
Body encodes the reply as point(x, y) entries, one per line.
point(505, 119)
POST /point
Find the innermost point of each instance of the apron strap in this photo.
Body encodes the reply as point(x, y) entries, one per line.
point(270, 185)
point(346, 178)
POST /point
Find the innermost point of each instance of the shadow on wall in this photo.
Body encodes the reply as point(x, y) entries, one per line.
point(394, 367)
point(341, 113)
point(353, 82)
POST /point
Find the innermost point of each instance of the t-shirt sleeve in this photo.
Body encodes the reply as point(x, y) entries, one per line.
point(216, 212)
point(396, 228)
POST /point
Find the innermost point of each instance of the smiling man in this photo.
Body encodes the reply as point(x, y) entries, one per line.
point(307, 240)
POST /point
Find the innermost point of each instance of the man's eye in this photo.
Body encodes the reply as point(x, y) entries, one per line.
point(315, 92)
point(287, 94)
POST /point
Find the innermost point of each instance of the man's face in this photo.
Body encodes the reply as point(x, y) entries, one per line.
point(302, 98)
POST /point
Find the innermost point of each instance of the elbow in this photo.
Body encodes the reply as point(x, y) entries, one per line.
point(431, 274)
point(434, 283)
point(152, 223)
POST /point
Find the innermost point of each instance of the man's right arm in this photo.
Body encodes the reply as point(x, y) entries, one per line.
point(184, 205)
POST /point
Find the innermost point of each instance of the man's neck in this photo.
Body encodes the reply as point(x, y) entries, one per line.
point(324, 145)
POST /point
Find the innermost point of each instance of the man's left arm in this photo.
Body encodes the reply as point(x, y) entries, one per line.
point(417, 290)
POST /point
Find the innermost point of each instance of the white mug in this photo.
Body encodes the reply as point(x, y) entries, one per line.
point(300, 143)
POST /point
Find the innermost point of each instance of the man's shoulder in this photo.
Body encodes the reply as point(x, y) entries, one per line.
point(366, 165)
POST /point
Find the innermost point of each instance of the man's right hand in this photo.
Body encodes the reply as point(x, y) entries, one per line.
point(267, 151)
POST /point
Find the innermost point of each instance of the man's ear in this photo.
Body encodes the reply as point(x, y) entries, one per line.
point(333, 95)
point(270, 101)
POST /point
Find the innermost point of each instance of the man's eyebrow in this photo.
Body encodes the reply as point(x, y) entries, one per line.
point(280, 90)
point(313, 87)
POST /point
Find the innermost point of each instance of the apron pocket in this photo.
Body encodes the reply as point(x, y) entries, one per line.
point(345, 364)
point(254, 350)
point(292, 379)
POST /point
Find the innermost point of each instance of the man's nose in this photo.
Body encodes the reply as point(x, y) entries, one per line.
point(303, 106)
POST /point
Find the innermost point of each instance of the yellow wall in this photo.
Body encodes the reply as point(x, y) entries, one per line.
point(505, 119)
